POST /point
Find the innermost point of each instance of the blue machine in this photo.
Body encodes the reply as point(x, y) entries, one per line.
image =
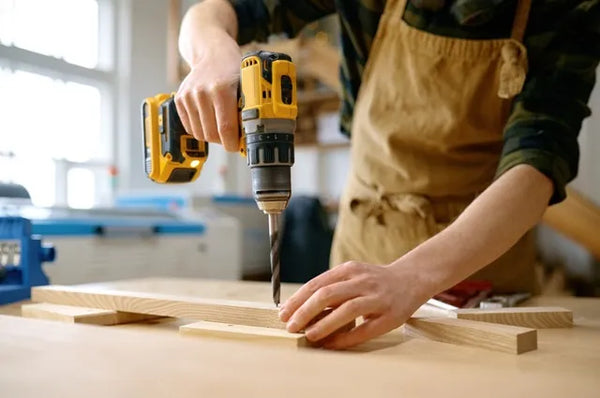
point(21, 258)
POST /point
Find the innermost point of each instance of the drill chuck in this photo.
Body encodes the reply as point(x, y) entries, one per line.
point(271, 188)
point(270, 156)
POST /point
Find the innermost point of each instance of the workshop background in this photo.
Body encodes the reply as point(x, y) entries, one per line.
point(71, 136)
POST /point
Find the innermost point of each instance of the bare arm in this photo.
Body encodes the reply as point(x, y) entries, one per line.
point(490, 226)
point(200, 23)
point(207, 98)
point(387, 296)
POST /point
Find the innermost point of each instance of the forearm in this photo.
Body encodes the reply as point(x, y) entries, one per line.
point(200, 24)
point(490, 226)
point(386, 296)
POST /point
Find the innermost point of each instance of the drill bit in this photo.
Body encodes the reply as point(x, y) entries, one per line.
point(274, 237)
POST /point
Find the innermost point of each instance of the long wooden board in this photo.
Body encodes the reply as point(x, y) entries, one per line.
point(211, 310)
point(71, 314)
point(244, 333)
point(505, 338)
point(493, 336)
point(531, 317)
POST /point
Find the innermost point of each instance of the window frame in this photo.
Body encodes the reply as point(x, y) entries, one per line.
point(103, 77)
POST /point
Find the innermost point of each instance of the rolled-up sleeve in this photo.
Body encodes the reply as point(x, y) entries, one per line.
point(258, 19)
point(563, 50)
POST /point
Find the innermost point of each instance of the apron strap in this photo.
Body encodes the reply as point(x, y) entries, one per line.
point(513, 66)
point(513, 69)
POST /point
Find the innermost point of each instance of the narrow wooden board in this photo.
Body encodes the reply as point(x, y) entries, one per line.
point(71, 314)
point(531, 317)
point(505, 338)
point(244, 333)
point(199, 309)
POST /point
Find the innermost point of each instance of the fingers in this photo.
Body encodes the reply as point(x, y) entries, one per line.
point(338, 274)
point(367, 330)
point(342, 315)
point(327, 296)
point(210, 114)
point(208, 119)
point(183, 115)
point(353, 290)
point(225, 107)
point(189, 115)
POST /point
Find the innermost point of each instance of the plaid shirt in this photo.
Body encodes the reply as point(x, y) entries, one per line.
point(562, 39)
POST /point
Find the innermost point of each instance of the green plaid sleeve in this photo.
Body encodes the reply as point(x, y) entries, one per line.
point(563, 42)
point(257, 19)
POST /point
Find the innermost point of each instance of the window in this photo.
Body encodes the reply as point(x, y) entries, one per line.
point(44, 27)
point(56, 96)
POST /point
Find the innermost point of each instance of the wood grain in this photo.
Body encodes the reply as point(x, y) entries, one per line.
point(211, 310)
point(244, 333)
point(155, 358)
point(531, 317)
point(47, 359)
point(71, 314)
point(504, 338)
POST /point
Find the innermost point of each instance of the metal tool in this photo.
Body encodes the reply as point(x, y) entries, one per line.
point(441, 305)
point(268, 111)
point(275, 262)
point(500, 301)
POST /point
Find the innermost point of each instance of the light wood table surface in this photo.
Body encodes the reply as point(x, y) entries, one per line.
point(150, 359)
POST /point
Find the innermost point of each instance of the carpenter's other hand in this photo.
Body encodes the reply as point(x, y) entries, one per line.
point(207, 98)
point(385, 296)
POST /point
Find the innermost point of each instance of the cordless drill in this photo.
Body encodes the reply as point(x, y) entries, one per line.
point(268, 111)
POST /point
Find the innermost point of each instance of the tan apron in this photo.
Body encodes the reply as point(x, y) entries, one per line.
point(426, 140)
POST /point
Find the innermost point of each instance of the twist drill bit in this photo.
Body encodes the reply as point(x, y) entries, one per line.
point(274, 237)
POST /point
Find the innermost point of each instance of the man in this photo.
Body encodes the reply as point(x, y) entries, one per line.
point(463, 132)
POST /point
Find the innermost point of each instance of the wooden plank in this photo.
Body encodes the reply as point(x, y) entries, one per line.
point(71, 314)
point(577, 218)
point(194, 287)
point(504, 338)
point(258, 334)
point(173, 59)
point(200, 309)
point(244, 333)
point(531, 317)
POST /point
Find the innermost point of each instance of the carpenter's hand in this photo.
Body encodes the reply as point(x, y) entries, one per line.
point(207, 98)
point(384, 296)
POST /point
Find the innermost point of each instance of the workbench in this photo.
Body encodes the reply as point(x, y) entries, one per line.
point(42, 358)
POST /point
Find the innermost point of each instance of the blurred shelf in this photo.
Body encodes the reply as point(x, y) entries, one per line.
point(322, 100)
point(325, 146)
